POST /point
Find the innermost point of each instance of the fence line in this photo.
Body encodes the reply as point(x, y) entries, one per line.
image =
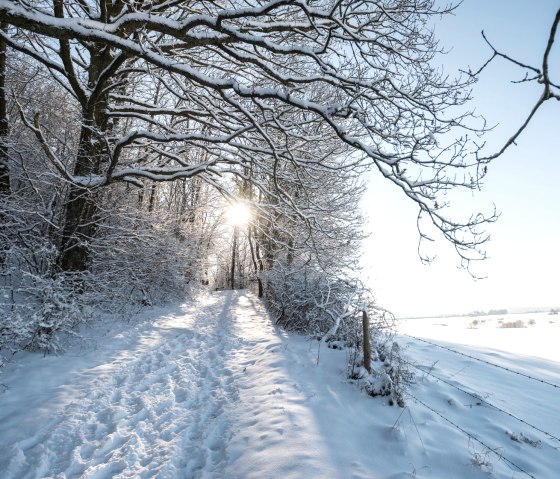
point(543, 381)
point(477, 397)
point(471, 436)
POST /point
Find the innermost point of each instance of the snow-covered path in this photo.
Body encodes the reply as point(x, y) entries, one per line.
point(213, 390)
point(157, 408)
point(210, 390)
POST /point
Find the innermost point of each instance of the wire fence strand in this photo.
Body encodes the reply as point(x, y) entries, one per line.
point(543, 381)
point(478, 398)
point(472, 436)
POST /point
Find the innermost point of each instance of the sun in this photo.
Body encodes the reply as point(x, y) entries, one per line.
point(238, 214)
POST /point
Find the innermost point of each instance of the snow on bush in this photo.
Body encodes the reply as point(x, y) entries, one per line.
point(135, 261)
point(390, 375)
point(331, 309)
point(36, 309)
point(518, 323)
point(310, 301)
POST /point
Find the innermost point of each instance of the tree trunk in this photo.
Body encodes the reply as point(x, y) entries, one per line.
point(233, 251)
point(79, 223)
point(257, 263)
point(290, 254)
point(5, 188)
point(4, 125)
point(79, 228)
point(367, 342)
point(79, 216)
point(152, 201)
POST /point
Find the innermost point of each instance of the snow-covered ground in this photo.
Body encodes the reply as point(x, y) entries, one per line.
point(212, 389)
point(499, 384)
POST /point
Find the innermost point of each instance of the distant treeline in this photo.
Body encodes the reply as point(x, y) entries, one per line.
point(489, 313)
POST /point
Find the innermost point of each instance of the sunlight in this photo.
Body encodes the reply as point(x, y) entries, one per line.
point(238, 214)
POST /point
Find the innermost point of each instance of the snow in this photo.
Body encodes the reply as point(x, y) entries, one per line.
point(212, 389)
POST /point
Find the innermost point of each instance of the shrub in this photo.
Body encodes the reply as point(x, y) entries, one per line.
point(521, 438)
point(513, 324)
point(390, 373)
point(311, 302)
point(39, 311)
point(330, 309)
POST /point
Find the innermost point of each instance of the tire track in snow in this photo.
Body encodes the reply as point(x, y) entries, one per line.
point(160, 410)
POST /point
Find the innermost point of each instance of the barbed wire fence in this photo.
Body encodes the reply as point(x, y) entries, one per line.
point(481, 401)
point(472, 437)
point(543, 381)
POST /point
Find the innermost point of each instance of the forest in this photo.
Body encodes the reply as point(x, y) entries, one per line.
point(131, 130)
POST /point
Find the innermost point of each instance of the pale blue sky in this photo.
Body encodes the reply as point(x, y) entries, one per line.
point(523, 269)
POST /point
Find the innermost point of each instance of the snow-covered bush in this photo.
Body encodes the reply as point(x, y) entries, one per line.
point(390, 374)
point(37, 310)
point(518, 323)
point(136, 259)
point(135, 256)
point(331, 309)
point(133, 263)
point(310, 301)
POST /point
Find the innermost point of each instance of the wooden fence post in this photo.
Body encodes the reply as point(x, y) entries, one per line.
point(367, 343)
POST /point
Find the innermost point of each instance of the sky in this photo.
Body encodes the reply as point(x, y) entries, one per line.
point(523, 265)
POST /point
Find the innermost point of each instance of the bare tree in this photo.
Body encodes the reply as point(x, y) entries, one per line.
point(177, 89)
point(4, 125)
point(4, 131)
point(550, 89)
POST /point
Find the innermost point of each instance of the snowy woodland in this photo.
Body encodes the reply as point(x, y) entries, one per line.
point(131, 127)
point(131, 131)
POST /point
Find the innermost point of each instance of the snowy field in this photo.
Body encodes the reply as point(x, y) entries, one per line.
point(212, 389)
point(493, 386)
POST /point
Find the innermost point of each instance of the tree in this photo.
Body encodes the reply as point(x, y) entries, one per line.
point(541, 75)
point(4, 131)
point(177, 89)
point(4, 125)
